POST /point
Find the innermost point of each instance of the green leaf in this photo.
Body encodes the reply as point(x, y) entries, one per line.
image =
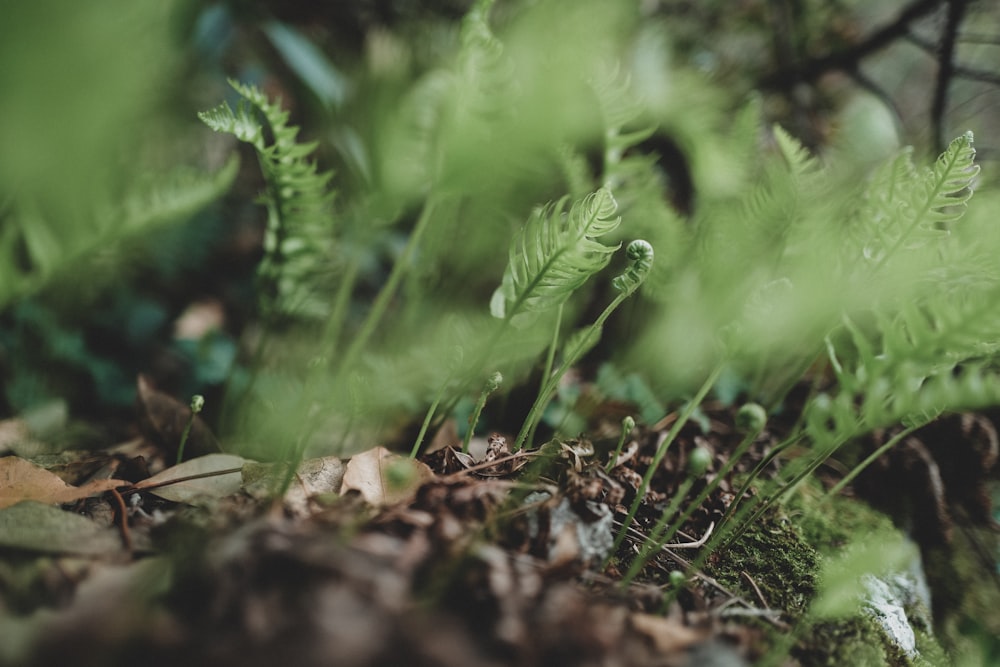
point(906, 208)
point(554, 255)
point(298, 240)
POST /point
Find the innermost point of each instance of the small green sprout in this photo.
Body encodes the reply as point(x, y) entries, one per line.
point(751, 417)
point(492, 384)
point(400, 474)
point(699, 461)
point(197, 403)
point(627, 425)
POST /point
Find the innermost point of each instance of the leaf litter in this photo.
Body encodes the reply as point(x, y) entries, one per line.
point(500, 559)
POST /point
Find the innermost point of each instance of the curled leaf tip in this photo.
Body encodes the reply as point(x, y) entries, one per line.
point(640, 256)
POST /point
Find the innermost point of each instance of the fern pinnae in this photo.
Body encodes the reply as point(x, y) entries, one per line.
point(554, 255)
point(936, 199)
point(297, 199)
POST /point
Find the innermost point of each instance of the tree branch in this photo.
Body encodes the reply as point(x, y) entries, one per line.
point(946, 70)
point(848, 59)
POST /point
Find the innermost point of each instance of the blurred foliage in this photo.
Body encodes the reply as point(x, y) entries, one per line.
point(450, 122)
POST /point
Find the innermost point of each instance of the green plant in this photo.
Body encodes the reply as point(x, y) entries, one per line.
point(197, 403)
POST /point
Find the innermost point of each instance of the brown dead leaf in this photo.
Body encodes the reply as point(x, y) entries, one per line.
point(206, 477)
point(22, 480)
point(383, 478)
point(163, 419)
point(313, 477)
point(669, 635)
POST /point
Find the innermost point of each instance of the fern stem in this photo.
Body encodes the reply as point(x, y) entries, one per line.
point(388, 290)
point(552, 381)
point(427, 421)
point(335, 323)
point(661, 451)
point(550, 361)
point(893, 441)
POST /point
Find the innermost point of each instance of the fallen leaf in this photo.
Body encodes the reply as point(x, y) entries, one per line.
point(313, 477)
point(206, 477)
point(667, 634)
point(383, 478)
point(39, 527)
point(22, 480)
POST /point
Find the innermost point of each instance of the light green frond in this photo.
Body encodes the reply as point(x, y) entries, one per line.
point(906, 208)
point(35, 251)
point(554, 255)
point(298, 239)
point(800, 161)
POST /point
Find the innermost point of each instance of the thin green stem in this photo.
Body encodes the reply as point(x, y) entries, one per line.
point(491, 385)
point(427, 422)
point(388, 291)
point(550, 360)
point(570, 358)
point(661, 451)
point(197, 402)
point(335, 322)
point(893, 441)
point(627, 425)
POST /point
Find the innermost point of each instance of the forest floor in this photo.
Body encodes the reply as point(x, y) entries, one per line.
point(120, 557)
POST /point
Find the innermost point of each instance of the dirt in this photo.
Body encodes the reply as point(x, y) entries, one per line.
point(460, 560)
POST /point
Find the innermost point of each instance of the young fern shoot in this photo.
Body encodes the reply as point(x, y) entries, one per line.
point(554, 255)
point(640, 255)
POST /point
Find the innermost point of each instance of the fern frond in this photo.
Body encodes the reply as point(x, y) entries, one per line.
point(800, 161)
point(36, 251)
point(298, 236)
point(906, 207)
point(554, 255)
point(905, 394)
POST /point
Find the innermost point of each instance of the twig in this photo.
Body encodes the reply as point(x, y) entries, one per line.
point(123, 520)
point(756, 589)
point(946, 69)
point(847, 60)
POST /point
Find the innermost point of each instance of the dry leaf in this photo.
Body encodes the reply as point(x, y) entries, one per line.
point(313, 477)
point(39, 527)
point(384, 478)
point(22, 480)
point(668, 634)
point(173, 483)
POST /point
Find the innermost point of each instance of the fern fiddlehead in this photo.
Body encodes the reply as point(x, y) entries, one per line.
point(640, 254)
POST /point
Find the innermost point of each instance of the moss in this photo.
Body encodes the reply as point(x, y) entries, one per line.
point(831, 524)
point(855, 641)
point(777, 559)
point(783, 555)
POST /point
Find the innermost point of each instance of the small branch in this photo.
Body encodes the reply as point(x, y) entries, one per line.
point(756, 589)
point(847, 60)
point(946, 70)
point(123, 520)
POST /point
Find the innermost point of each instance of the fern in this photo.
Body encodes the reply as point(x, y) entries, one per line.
point(554, 255)
point(298, 237)
point(907, 208)
point(36, 252)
